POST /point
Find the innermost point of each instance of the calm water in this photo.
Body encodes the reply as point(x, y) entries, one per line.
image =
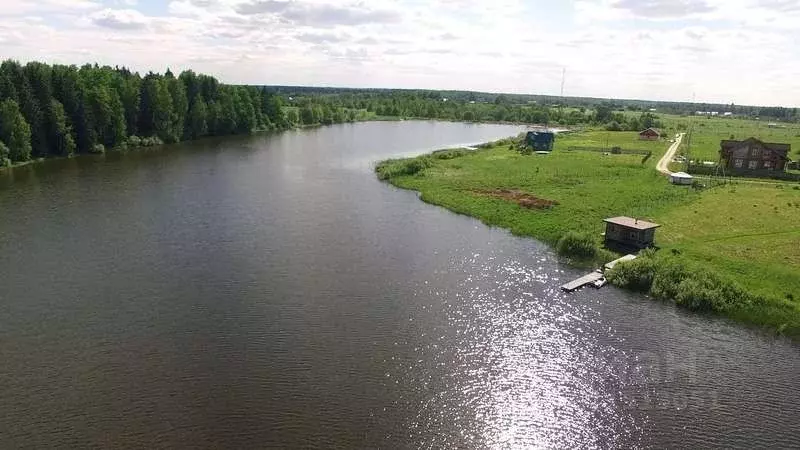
point(269, 292)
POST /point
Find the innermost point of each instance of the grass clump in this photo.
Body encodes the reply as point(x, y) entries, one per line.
point(582, 249)
point(448, 154)
point(576, 245)
point(402, 167)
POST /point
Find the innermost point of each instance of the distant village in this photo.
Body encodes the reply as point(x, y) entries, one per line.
point(751, 157)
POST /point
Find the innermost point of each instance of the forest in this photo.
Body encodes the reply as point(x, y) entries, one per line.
point(62, 110)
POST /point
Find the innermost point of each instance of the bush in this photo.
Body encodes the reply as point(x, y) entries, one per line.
point(576, 245)
point(614, 126)
point(636, 275)
point(448, 154)
point(693, 288)
point(134, 141)
point(400, 167)
point(152, 141)
point(98, 149)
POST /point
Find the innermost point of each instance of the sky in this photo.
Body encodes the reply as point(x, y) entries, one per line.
point(723, 51)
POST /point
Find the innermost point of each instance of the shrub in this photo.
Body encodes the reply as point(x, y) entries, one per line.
point(151, 141)
point(448, 154)
point(693, 288)
point(98, 148)
point(399, 167)
point(636, 275)
point(576, 245)
point(134, 141)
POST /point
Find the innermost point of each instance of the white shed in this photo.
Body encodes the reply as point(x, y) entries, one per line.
point(681, 178)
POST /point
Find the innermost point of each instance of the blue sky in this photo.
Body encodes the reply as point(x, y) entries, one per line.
point(740, 51)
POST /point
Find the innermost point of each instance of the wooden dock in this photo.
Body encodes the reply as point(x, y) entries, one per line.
point(625, 258)
point(582, 281)
point(596, 278)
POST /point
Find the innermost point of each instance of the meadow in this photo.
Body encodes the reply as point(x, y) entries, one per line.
point(745, 235)
point(709, 131)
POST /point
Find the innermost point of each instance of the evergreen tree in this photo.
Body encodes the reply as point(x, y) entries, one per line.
point(197, 123)
point(179, 110)
point(4, 155)
point(15, 131)
point(60, 133)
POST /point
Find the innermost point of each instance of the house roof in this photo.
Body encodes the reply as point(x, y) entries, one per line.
point(630, 222)
point(781, 149)
point(654, 130)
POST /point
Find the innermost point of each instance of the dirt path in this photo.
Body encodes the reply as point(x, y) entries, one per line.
point(663, 164)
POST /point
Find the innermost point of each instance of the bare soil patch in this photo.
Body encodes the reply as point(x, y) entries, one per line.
point(523, 199)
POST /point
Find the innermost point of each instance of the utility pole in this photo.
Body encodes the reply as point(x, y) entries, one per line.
point(561, 102)
point(691, 131)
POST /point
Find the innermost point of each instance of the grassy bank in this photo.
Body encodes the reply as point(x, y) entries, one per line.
point(753, 250)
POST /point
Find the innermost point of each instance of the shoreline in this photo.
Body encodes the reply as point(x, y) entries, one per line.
point(682, 282)
point(35, 161)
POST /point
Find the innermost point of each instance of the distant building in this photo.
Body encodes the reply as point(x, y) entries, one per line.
point(541, 141)
point(728, 114)
point(650, 134)
point(753, 157)
point(629, 233)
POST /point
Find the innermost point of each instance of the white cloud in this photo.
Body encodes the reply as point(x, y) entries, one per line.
point(20, 7)
point(610, 48)
point(120, 19)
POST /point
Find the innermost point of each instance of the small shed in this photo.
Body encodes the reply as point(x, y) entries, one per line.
point(540, 140)
point(650, 134)
point(630, 233)
point(681, 178)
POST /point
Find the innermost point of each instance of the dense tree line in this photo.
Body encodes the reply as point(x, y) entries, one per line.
point(681, 108)
point(321, 106)
point(62, 110)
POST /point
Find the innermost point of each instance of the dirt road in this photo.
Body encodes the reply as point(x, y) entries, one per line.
point(663, 164)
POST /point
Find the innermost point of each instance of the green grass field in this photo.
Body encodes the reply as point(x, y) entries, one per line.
point(747, 233)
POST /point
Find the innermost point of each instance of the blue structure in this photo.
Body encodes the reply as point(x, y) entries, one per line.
point(541, 141)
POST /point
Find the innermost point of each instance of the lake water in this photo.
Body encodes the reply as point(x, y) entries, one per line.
point(268, 291)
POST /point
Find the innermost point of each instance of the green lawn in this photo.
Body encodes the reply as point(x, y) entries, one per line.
point(626, 140)
point(748, 233)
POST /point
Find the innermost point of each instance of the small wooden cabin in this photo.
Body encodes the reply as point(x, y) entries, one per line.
point(630, 233)
point(541, 141)
point(650, 134)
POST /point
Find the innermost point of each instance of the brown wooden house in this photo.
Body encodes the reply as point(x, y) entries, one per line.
point(650, 134)
point(629, 233)
point(754, 157)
